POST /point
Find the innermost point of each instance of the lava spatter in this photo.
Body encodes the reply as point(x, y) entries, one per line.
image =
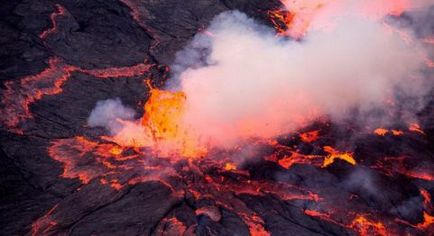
point(164, 112)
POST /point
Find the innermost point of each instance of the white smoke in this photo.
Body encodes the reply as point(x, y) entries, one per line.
point(243, 81)
point(109, 114)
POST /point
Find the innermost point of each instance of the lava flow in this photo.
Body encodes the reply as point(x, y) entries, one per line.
point(49, 82)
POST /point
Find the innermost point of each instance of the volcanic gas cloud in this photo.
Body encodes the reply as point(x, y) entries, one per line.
point(238, 81)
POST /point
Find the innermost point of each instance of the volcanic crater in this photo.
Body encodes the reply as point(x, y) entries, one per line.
point(59, 175)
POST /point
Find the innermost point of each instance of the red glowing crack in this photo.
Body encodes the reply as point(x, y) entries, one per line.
point(19, 95)
point(59, 11)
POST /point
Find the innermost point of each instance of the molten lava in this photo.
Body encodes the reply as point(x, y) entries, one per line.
point(415, 127)
point(163, 117)
point(161, 128)
point(383, 132)
point(310, 136)
point(367, 227)
point(333, 155)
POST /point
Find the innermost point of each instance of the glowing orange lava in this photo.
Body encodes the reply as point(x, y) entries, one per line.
point(230, 166)
point(426, 199)
point(281, 19)
point(367, 227)
point(333, 155)
point(400, 165)
point(381, 131)
point(415, 127)
point(428, 220)
point(310, 136)
point(396, 132)
point(163, 116)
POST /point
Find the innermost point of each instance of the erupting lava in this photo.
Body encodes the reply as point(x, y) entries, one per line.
point(163, 116)
point(161, 128)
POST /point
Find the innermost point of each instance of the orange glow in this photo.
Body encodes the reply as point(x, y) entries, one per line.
point(297, 158)
point(299, 16)
point(428, 220)
point(49, 82)
point(116, 72)
point(163, 110)
point(45, 223)
point(162, 127)
point(397, 132)
point(230, 166)
point(116, 185)
point(381, 131)
point(316, 213)
point(79, 146)
point(333, 155)
point(59, 11)
point(256, 227)
point(366, 227)
point(360, 224)
point(281, 19)
point(32, 88)
point(417, 174)
point(323, 216)
point(426, 199)
point(310, 136)
point(415, 127)
point(116, 150)
point(393, 165)
point(163, 117)
point(212, 212)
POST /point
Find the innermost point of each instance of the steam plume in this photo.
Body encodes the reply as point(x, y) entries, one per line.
point(253, 84)
point(241, 81)
point(108, 113)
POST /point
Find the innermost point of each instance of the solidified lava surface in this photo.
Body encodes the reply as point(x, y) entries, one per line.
point(59, 177)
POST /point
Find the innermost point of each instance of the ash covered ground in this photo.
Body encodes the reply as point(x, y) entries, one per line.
point(58, 176)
